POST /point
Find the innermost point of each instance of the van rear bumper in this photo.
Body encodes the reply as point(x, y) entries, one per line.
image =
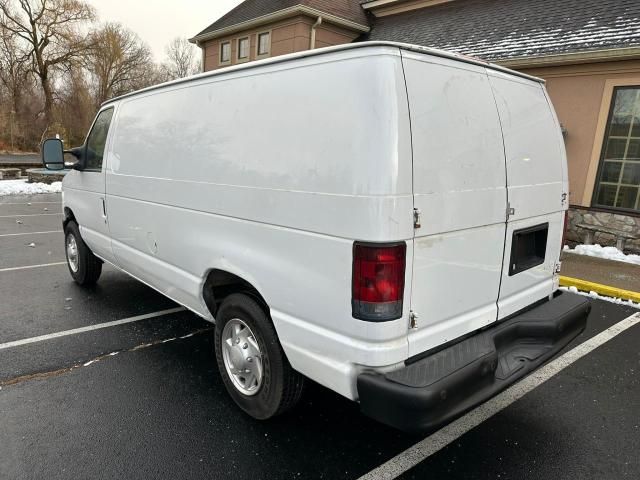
point(439, 387)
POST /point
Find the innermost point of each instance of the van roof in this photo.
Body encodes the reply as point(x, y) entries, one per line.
point(322, 51)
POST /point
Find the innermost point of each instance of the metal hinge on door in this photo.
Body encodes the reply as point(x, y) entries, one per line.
point(564, 199)
point(413, 320)
point(510, 211)
point(417, 218)
point(558, 267)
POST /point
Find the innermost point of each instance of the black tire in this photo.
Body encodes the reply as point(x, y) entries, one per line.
point(89, 267)
point(281, 386)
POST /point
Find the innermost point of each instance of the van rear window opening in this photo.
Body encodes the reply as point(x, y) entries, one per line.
point(378, 281)
point(528, 248)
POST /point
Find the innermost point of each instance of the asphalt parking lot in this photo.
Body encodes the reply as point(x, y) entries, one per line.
point(130, 390)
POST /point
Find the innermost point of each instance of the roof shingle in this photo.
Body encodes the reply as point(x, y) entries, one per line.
point(252, 9)
point(505, 29)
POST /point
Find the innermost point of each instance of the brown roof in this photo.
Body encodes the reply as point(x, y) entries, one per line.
point(252, 9)
point(507, 29)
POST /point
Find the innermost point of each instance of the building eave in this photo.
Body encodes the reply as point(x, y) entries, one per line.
point(383, 8)
point(594, 56)
point(378, 3)
point(280, 15)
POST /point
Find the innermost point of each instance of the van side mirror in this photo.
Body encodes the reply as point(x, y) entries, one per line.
point(53, 154)
point(80, 154)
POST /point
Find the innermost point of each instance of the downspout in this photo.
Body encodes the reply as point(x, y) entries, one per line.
point(204, 54)
point(312, 43)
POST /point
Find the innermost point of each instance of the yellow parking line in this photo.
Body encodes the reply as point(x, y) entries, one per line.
point(600, 289)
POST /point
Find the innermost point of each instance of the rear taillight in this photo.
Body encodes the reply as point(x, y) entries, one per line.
point(378, 281)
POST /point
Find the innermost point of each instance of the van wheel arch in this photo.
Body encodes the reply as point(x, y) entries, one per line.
point(68, 217)
point(219, 284)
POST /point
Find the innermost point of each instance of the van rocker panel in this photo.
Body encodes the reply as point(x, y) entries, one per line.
point(429, 392)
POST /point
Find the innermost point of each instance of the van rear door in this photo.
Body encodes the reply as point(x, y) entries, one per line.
point(537, 191)
point(459, 183)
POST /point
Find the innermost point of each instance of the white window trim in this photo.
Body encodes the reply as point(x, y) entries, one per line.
point(220, 61)
point(248, 57)
point(263, 55)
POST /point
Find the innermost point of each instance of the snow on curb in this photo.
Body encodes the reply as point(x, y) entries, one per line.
point(21, 187)
point(609, 253)
point(593, 294)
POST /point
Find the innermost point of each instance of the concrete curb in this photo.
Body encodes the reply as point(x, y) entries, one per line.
point(600, 289)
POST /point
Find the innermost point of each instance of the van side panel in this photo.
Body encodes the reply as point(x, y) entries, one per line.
point(271, 173)
point(460, 188)
point(536, 177)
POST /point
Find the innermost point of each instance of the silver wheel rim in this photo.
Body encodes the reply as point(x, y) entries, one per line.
point(72, 253)
point(242, 357)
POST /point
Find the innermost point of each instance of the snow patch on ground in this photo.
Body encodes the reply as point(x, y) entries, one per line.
point(593, 294)
point(21, 187)
point(610, 253)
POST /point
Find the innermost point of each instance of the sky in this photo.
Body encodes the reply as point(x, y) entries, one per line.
point(158, 22)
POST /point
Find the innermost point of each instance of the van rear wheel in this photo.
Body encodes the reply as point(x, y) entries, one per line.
point(84, 266)
point(254, 369)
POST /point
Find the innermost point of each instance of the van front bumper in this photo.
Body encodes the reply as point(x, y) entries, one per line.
point(436, 388)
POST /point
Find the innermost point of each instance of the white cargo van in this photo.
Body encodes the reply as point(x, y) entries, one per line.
point(384, 219)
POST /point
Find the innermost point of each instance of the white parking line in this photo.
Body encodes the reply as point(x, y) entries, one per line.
point(443, 437)
point(30, 215)
point(26, 267)
point(89, 328)
point(29, 233)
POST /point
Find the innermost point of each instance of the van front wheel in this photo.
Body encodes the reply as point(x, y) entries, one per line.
point(253, 366)
point(84, 266)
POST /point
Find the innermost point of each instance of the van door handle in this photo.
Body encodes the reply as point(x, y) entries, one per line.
point(104, 209)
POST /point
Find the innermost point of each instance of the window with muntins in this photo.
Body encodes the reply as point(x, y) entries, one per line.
point(243, 48)
point(97, 140)
point(618, 183)
point(264, 43)
point(225, 52)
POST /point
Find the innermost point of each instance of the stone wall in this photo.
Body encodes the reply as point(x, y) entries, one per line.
point(39, 175)
point(22, 166)
point(624, 223)
point(10, 173)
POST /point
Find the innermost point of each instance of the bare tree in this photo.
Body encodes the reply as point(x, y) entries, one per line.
point(17, 84)
point(75, 106)
point(181, 59)
point(14, 67)
point(119, 62)
point(51, 30)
